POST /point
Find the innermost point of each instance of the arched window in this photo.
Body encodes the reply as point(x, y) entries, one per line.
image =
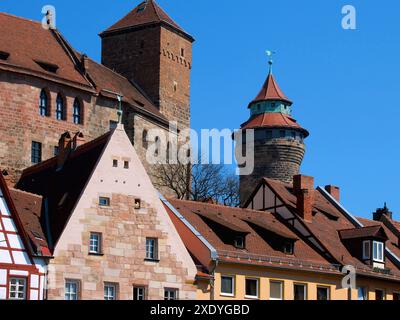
point(44, 103)
point(60, 108)
point(144, 139)
point(77, 115)
point(157, 141)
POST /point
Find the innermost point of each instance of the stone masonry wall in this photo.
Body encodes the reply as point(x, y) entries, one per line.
point(124, 231)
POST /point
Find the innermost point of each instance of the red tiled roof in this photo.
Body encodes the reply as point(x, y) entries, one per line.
point(356, 233)
point(28, 43)
point(272, 120)
point(256, 244)
point(271, 91)
point(62, 186)
point(146, 13)
point(29, 208)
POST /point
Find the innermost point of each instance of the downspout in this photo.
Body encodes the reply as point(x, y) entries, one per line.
point(212, 281)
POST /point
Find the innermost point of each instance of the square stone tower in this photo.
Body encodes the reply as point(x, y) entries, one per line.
point(150, 49)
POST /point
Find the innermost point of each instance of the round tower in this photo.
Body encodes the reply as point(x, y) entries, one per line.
point(278, 138)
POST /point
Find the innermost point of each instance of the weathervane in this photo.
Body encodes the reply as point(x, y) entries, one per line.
point(270, 54)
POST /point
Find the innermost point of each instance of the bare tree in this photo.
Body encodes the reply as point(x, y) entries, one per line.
point(199, 182)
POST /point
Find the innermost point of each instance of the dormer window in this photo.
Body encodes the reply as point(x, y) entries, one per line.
point(377, 251)
point(239, 242)
point(288, 247)
point(367, 250)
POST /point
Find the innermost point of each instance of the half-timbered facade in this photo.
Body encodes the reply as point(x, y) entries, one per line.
point(22, 270)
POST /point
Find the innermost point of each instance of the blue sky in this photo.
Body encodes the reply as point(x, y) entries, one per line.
point(344, 84)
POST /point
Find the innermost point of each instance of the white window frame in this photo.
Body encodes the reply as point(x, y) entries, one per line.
point(227, 294)
point(110, 291)
point(20, 283)
point(143, 294)
point(168, 296)
point(367, 253)
point(304, 285)
point(92, 245)
point(257, 288)
point(152, 249)
point(377, 258)
point(281, 285)
point(70, 293)
point(328, 296)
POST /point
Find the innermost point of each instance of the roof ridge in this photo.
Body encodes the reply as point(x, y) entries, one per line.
point(26, 192)
point(19, 18)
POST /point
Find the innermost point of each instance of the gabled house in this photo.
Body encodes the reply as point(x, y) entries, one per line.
point(318, 217)
point(107, 230)
point(23, 250)
point(246, 254)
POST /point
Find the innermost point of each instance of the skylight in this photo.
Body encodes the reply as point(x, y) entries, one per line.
point(49, 67)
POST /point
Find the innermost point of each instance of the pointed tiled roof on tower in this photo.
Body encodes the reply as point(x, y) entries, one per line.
point(146, 13)
point(271, 91)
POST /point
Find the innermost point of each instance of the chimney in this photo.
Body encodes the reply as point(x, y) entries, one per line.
point(334, 192)
point(84, 63)
point(303, 188)
point(78, 140)
point(382, 212)
point(64, 148)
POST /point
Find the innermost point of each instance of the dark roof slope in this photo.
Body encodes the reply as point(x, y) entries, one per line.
point(61, 187)
point(146, 13)
point(271, 91)
point(244, 219)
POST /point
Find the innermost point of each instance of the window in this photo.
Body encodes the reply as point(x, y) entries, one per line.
point(269, 134)
point(366, 250)
point(252, 288)
point(227, 286)
point(104, 202)
point(239, 242)
point(60, 110)
point(77, 114)
point(276, 290)
point(71, 290)
point(44, 103)
point(145, 143)
point(36, 152)
point(300, 291)
point(126, 164)
point(288, 247)
point(139, 293)
point(396, 296)
point(171, 294)
point(17, 289)
point(113, 124)
point(378, 251)
point(110, 291)
point(282, 133)
point(157, 142)
point(322, 293)
point(95, 243)
point(294, 135)
point(182, 52)
point(115, 163)
point(138, 204)
point(379, 294)
point(151, 249)
point(362, 293)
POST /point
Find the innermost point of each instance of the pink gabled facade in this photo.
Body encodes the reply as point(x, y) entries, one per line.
point(22, 274)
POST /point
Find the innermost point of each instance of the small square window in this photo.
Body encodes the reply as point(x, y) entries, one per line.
point(322, 293)
point(104, 202)
point(139, 293)
point(126, 164)
point(227, 286)
point(288, 247)
point(151, 249)
point(276, 290)
point(72, 289)
point(252, 288)
point(171, 294)
point(300, 291)
point(115, 163)
point(239, 242)
point(17, 289)
point(138, 204)
point(95, 243)
point(110, 291)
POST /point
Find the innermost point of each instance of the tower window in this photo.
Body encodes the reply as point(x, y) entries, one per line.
point(44, 103)
point(182, 52)
point(282, 133)
point(36, 152)
point(269, 134)
point(144, 139)
point(60, 109)
point(175, 86)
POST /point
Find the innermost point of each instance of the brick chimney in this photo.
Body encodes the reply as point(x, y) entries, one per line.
point(78, 140)
point(382, 212)
point(334, 192)
point(303, 188)
point(64, 148)
point(84, 63)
